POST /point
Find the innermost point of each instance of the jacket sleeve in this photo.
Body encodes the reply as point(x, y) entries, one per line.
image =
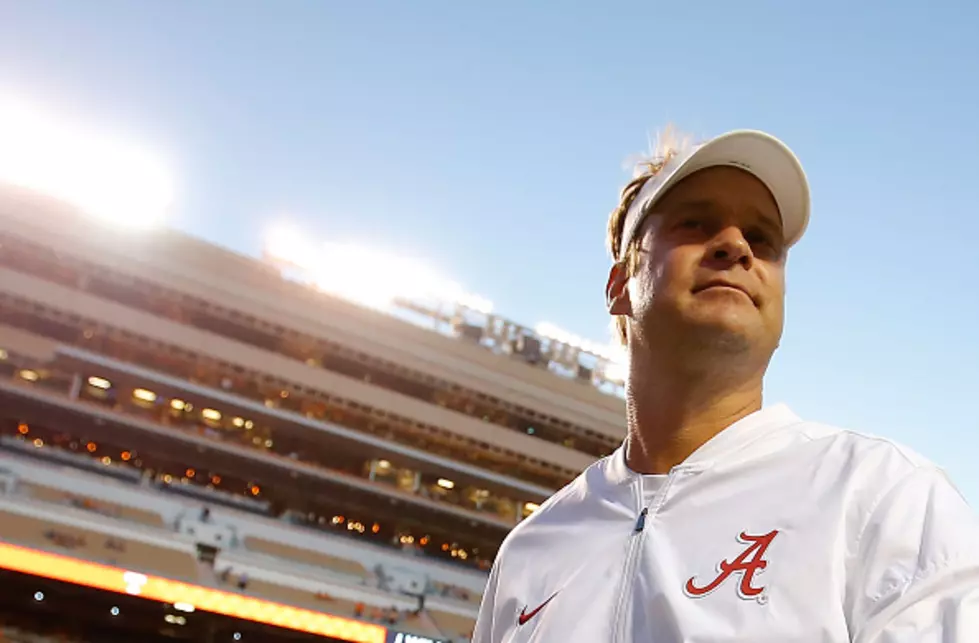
point(487, 607)
point(917, 575)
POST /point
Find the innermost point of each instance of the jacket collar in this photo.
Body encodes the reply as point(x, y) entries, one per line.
point(732, 439)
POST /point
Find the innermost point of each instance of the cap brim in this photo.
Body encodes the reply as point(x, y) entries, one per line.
point(763, 155)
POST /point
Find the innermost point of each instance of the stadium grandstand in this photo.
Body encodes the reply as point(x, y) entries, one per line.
point(200, 445)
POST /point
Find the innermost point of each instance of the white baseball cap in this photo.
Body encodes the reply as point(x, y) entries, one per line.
point(767, 158)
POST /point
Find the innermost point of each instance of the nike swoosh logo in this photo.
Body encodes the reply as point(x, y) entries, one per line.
point(526, 616)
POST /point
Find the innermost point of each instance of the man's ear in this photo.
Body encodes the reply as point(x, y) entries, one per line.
point(616, 293)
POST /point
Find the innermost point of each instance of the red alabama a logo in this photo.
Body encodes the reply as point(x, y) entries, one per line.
point(747, 564)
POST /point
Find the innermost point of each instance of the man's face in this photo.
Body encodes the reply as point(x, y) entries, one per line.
point(711, 271)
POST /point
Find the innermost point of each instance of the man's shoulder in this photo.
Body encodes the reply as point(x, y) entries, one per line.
point(868, 468)
point(865, 450)
point(906, 519)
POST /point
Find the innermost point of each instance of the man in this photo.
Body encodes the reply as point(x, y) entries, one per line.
point(719, 520)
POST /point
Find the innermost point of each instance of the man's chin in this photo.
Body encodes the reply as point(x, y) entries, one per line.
point(720, 329)
point(725, 333)
point(737, 319)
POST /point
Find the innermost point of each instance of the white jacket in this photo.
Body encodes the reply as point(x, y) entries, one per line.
point(776, 529)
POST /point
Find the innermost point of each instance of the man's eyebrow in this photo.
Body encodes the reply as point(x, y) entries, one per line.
point(694, 206)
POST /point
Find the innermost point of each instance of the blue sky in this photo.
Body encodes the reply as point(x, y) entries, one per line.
point(492, 142)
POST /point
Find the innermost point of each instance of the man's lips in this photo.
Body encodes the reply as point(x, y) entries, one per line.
point(724, 284)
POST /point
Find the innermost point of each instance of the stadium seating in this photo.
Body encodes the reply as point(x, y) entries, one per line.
point(102, 543)
point(309, 557)
point(57, 496)
point(95, 519)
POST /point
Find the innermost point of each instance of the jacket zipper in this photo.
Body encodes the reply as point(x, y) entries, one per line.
point(629, 571)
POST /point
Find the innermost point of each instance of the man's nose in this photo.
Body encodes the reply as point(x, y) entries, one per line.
point(730, 246)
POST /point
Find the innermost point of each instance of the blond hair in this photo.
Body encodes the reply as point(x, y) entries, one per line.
point(668, 143)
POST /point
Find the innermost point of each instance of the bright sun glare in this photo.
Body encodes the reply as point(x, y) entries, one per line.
point(364, 275)
point(112, 180)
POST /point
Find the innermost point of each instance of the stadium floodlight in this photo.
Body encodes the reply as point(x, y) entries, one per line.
point(112, 180)
point(365, 275)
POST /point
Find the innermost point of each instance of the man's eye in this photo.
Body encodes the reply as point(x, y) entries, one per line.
point(690, 224)
point(758, 238)
point(763, 244)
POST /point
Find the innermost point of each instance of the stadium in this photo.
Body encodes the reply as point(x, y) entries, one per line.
point(201, 445)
